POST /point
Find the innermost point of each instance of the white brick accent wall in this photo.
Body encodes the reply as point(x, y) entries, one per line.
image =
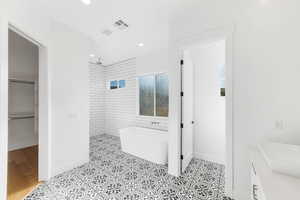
point(96, 97)
point(115, 109)
point(120, 103)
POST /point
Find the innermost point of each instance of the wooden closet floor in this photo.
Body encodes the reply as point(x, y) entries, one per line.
point(22, 172)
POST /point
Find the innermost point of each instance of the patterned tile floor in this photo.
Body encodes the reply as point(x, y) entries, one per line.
point(114, 175)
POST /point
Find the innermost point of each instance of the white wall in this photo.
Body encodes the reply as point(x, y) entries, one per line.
point(97, 99)
point(67, 62)
point(265, 73)
point(68, 57)
point(209, 110)
point(155, 61)
point(23, 64)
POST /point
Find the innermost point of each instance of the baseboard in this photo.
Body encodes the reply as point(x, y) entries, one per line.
point(69, 167)
point(113, 134)
point(24, 144)
point(187, 160)
point(91, 135)
point(190, 157)
point(210, 157)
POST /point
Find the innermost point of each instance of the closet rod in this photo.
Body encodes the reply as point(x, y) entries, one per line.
point(21, 81)
point(20, 116)
point(14, 118)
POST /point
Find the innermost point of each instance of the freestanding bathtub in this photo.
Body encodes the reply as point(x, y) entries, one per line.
point(146, 143)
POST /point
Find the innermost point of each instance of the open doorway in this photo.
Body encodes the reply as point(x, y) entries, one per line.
point(206, 103)
point(23, 134)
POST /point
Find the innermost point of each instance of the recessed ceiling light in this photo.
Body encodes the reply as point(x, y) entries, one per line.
point(86, 2)
point(92, 55)
point(140, 44)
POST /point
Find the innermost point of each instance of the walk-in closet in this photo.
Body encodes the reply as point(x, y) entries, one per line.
point(23, 116)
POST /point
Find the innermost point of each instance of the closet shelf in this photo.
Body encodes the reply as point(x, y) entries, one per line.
point(15, 80)
point(21, 115)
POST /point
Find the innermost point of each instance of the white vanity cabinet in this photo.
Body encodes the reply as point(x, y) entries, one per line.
point(270, 185)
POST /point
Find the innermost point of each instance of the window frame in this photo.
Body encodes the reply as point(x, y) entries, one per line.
point(138, 96)
point(118, 87)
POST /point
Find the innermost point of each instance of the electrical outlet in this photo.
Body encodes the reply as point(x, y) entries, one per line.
point(72, 116)
point(279, 125)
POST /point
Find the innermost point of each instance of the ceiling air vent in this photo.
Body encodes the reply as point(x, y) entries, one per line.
point(118, 25)
point(121, 25)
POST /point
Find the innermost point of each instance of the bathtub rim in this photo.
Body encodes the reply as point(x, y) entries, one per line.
point(157, 131)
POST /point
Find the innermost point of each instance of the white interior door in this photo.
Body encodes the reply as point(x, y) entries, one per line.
point(187, 110)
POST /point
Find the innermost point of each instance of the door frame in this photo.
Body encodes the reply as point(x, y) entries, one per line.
point(3, 105)
point(211, 35)
point(44, 139)
point(44, 120)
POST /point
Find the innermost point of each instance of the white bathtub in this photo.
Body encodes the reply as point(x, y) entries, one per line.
point(149, 144)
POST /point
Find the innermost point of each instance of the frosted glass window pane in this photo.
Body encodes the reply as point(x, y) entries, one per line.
point(146, 92)
point(162, 95)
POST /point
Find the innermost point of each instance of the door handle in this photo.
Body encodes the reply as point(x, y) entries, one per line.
point(193, 122)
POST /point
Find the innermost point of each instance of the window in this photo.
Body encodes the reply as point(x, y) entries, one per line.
point(146, 95)
point(113, 85)
point(162, 95)
point(117, 84)
point(122, 83)
point(154, 95)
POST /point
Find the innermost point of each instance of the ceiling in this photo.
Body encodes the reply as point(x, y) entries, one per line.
point(147, 20)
